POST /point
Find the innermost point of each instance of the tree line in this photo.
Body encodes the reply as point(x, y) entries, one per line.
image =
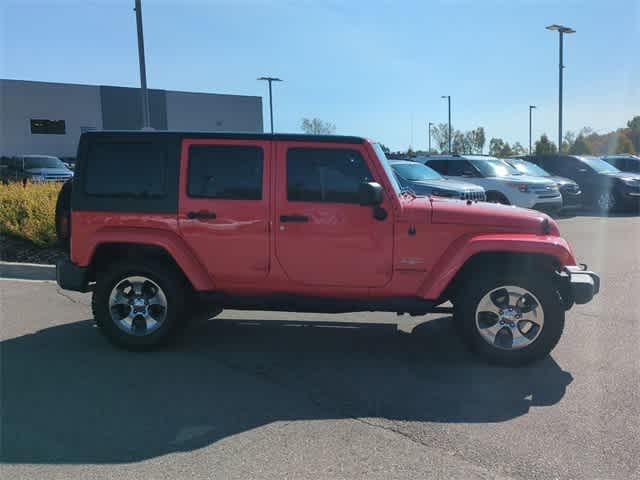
point(585, 142)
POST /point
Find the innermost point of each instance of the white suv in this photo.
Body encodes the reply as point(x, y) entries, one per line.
point(503, 183)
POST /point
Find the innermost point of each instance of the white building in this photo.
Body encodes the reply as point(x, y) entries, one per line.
point(48, 118)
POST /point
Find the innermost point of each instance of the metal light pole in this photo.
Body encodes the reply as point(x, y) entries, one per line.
point(146, 123)
point(270, 79)
point(429, 128)
point(448, 97)
point(561, 30)
point(531, 107)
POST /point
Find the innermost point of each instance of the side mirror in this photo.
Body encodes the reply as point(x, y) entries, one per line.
point(468, 174)
point(370, 194)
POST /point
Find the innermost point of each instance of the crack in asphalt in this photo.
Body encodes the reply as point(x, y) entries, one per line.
point(64, 295)
point(264, 375)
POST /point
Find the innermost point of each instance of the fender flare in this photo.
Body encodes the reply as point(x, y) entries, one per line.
point(172, 243)
point(464, 248)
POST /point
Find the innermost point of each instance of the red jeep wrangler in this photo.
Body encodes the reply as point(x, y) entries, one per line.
point(164, 221)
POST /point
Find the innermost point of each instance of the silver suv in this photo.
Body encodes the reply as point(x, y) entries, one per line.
point(503, 183)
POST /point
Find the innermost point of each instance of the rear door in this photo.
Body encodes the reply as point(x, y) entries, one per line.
point(224, 206)
point(323, 235)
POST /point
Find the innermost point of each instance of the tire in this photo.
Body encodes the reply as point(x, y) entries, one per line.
point(169, 320)
point(532, 337)
point(63, 216)
point(497, 197)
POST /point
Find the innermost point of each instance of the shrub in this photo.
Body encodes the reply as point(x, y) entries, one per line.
point(29, 211)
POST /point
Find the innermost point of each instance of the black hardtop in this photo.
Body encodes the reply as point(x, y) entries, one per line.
point(174, 135)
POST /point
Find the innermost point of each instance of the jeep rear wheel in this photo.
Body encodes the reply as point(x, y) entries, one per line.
point(510, 319)
point(137, 306)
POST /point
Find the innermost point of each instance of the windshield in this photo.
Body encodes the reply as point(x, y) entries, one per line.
point(494, 168)
point(415, 172)
point(42, 162)
point(528, 168)
point(599, 165)
point(387, 168)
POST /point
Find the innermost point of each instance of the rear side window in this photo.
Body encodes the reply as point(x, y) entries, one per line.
point(325, 175)
point(225, 172)
point(458, 168)
point(129, 169)
point(439, 166)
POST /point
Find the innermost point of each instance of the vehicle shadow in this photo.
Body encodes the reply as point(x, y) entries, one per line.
point(69, 397)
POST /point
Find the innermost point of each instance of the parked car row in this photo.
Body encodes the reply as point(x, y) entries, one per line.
point(36, 168)
point(543, 182)
point(603, 185)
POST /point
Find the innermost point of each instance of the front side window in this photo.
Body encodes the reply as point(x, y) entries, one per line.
point(41, 126)
point(460, 168)
point(225, 172)
point(325, 175)
point(528, 168)
point(495, 168)
point(439, 166)
point(599, 165)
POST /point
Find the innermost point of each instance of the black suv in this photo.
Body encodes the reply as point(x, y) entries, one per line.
point(603, 185)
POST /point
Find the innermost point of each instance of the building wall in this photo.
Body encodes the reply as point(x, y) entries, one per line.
point(78, 105)
point(122, 108)
point(111, 108)
point(213, 112)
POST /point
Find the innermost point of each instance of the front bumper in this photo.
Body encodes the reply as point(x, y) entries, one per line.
point(549, 206)
point(72, 277)
point(579, 285)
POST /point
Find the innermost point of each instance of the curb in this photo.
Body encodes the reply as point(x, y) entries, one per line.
point(27, 271)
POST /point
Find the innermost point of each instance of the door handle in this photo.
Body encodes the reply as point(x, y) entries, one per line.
point(294, 218)
point(201, 215)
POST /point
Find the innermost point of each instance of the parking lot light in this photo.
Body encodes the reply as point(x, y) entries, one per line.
point(270, 80)
point(561, 29)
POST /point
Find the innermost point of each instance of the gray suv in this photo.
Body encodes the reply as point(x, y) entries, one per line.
point(37, 168)
point(426, 181)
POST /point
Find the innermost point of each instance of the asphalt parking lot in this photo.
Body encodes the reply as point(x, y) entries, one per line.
point(264, 395)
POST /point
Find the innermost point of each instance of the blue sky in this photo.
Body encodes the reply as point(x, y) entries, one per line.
point(367, 66)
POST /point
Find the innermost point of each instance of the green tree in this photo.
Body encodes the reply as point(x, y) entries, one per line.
point(545, 146)
point(316, 126)
point(568, 140)
point(459, 143)
point(581, 146)
point(410, 152)
point(478, 139)
point(440, 133)
point(499, 148)
point(634, 123)
point(619, 143)
point(518, 149)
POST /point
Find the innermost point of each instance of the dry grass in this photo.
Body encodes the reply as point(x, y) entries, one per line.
point(29, 211)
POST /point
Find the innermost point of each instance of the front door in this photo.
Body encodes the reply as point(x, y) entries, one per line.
point(323, 235)
point(224, 206)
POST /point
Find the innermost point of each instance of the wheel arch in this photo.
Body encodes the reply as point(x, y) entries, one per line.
point(111, 247)
point(469, 256)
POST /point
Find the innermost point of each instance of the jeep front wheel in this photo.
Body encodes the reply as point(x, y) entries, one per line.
point(510, 319)
point(138, 307)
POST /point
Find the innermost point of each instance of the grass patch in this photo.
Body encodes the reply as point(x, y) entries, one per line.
point(29, 211)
